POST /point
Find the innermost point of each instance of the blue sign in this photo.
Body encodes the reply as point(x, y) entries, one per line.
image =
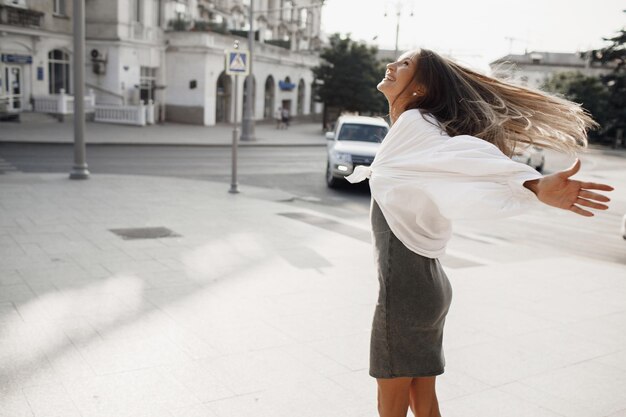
point(16, 59)
point(237, 63)
point(285, 86)
point(39, 73)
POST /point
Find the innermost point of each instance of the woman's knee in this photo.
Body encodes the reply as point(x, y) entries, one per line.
point(423, 398)
point(393, 396)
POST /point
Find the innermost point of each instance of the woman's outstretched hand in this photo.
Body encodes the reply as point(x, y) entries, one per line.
point(558, 190)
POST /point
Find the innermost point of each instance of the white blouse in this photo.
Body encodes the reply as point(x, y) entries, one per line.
point(422, 179)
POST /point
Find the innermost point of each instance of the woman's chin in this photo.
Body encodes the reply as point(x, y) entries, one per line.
point(382, 86)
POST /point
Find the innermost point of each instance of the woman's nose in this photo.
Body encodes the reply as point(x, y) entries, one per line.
point(389, 66)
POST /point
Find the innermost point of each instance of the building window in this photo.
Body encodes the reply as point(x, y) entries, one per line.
point(137, 10)
point(59, 7)
point(147, 84)
point(58, 71)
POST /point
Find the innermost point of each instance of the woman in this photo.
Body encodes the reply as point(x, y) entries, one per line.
point(445, 158)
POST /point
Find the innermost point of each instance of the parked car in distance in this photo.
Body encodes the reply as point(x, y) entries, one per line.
point(354, 142)
point(530, 155)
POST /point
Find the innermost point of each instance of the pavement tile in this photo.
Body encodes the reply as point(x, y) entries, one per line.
point(616, 360)
point(313, 359)
point(454, 384)
point(497, 363)
point(26, 371)
point(308, 397)
point(605, 330)
point(350, 350)
point(50, 401)
point(548, 400)
point(193, 411)
point(16, 293)
point(570, 348)
point(120, 355)
point(13, 403)
point(206, 386)
point(589, 384)
point(8, 314)
point(492, 403)
point(10, 277)
point(141, 393)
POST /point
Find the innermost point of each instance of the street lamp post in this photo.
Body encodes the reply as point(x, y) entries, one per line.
point(398, 16)
point(247, 124)
point(79, 170)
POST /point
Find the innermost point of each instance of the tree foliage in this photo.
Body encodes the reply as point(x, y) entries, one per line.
point(589, 91)
point(348, 76)
point(614, 55)
point(604, 96)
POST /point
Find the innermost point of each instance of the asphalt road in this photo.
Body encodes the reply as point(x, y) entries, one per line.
point(300, 172)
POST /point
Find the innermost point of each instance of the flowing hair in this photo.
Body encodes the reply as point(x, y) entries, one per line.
point(468, 103)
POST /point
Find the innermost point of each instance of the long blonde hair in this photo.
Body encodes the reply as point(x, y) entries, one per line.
point(468, 103)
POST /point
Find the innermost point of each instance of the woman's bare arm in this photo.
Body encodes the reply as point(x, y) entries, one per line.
point(558, 190)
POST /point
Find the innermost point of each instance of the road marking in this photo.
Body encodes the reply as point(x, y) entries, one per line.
point(6, 166)
point(450, 261)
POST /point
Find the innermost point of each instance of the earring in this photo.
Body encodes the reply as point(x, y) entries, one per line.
point(414, 93)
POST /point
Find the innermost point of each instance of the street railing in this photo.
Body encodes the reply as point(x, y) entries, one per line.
point(62, 103)
point(139, 115)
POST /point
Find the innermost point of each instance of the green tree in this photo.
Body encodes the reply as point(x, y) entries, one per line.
point(614, 55)
point(589, 91)
point(347, 77)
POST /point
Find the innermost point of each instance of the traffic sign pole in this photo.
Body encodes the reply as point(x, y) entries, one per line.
point(237, 63)
point(233, 182)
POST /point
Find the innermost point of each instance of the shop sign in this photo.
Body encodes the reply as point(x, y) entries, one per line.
point(16, 59)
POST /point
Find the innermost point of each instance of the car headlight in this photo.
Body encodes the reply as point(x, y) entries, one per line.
point(342, 157)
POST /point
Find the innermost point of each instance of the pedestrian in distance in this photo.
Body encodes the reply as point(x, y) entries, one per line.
point(285, 117)
point(446, 157)
point(278, 116)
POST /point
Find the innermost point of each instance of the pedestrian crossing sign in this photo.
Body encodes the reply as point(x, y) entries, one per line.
point(237, 63)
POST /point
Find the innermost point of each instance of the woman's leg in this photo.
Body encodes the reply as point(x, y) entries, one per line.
point(393, 396)
point(423, 398)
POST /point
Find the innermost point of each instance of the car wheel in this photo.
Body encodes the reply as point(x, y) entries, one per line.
point(540, 167)
point(331, 181)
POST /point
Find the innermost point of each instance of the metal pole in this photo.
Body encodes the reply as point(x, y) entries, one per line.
point(247, 126)
point(397, 32)
point(79, 171)
point(233, 182)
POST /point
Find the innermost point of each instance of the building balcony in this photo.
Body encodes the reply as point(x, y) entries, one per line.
point(20, 17)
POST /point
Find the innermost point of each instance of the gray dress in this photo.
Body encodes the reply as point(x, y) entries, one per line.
point(413, 301)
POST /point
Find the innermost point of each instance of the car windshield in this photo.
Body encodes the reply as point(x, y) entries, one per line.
point(362, 133)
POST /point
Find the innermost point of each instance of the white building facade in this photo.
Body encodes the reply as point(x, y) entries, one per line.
point(533, 69)
point(169, 52)
point(35, 51)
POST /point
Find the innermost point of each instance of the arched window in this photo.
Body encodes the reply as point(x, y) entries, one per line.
point(312, 102)
point(301, 93)
point(223, 95)
point(58, 71)
point(245, 95)
point(268, 108)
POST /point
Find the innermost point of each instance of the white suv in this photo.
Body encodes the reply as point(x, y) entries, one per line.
point(354, 142)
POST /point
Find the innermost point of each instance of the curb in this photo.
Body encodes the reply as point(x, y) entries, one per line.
point(203, 145)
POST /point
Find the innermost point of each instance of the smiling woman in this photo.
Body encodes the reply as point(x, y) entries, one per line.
point(446, 157)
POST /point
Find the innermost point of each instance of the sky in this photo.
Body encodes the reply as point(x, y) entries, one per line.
point(475, 32)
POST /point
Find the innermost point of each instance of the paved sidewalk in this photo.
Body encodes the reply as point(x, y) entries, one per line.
point(260, 308)
point(39, 128)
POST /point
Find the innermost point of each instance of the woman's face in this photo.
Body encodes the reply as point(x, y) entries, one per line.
point(399, 77)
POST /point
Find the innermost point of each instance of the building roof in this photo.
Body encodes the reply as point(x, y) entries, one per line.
point(558, 59)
